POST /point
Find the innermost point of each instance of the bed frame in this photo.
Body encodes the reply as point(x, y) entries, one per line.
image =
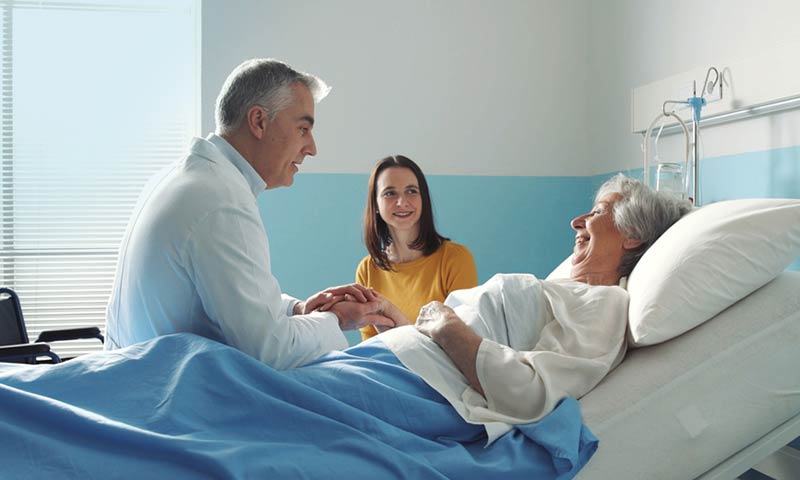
point(671, 411)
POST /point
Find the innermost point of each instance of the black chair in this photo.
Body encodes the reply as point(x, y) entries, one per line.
point(14, 346)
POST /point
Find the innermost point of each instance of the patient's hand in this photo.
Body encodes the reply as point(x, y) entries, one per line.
point(325, 299)
point(434, 317)
point(459, 342)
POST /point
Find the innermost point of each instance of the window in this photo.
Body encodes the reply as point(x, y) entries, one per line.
point(96, 97)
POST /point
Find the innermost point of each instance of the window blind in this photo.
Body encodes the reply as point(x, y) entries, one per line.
point(96, 97)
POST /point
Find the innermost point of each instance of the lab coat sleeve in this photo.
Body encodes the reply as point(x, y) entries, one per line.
point(287, 303)
point(227, 257)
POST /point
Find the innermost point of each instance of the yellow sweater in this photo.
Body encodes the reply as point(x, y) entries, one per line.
point(411, 285)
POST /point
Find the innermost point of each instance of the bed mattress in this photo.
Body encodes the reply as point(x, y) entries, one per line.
point(677, 409)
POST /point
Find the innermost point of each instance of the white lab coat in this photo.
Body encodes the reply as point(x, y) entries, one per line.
point(195, 258)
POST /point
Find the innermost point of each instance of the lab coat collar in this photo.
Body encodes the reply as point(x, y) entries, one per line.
point(217, 149)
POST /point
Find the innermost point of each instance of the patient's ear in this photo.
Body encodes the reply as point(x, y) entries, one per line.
point(257, 121)
point(630, 244)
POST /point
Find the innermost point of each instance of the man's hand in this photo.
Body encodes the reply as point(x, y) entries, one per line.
point(325, 299)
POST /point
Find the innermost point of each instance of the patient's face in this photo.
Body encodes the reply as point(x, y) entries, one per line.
point(399, 200)
point(599, 245)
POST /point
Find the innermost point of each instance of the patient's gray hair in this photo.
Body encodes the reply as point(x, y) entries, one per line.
point(261, 81)
point(641, 214)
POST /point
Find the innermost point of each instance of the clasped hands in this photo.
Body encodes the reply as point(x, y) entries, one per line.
point(355, 306)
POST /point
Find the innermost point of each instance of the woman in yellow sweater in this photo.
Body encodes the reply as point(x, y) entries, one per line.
point(409, 262)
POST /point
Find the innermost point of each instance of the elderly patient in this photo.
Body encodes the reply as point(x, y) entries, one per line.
point(509, 350)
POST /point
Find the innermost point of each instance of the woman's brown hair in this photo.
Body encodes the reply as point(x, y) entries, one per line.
point(376, 232)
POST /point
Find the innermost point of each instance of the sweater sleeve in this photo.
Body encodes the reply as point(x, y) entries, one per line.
point(460, 271)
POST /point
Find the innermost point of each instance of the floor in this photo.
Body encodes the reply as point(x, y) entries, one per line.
point(781, 465)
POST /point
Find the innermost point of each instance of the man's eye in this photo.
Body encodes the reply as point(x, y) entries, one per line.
point(303, 131)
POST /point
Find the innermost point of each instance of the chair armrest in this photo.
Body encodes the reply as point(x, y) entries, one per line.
point(70, 334)
point(27, 351)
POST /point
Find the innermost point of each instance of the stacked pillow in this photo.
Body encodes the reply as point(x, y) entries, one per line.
point(706, 262)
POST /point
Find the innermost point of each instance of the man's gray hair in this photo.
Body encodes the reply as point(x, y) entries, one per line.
point(261, 81)
point(641, 214)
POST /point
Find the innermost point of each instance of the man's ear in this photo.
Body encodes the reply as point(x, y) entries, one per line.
point(257, 121)
point(630, 244)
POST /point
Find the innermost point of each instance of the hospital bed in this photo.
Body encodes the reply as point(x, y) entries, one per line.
point(708, 404)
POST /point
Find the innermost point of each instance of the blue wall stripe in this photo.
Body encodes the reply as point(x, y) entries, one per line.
point(511, 224)
point(764, 174)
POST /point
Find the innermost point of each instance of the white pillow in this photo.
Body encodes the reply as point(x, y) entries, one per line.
point(563, 270)
point(707, 261)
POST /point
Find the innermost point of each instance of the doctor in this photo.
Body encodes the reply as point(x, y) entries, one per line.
point(195, 256)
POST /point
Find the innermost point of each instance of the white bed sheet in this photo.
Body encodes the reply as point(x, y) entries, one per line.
point(675, 410)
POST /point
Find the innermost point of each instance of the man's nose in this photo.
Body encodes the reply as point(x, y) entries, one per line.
point(311, 149)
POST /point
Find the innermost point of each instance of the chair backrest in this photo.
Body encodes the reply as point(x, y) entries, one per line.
point(12, 325)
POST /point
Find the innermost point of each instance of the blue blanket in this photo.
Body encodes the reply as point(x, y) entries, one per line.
point(182, 406)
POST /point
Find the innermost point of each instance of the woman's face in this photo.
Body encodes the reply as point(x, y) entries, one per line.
point(599, 245)
point(399, 200)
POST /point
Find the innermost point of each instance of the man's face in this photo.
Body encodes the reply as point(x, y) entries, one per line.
point(288, 140)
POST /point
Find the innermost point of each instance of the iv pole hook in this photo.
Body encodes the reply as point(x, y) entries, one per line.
point(710, 88)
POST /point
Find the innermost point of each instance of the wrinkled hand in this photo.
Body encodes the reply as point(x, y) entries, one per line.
point(434, 317)
point(459, 342)
point(325, 299)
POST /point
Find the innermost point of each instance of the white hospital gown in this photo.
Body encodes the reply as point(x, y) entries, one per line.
point(542, 341)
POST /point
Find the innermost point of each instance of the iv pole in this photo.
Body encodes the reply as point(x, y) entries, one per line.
point(697, 104)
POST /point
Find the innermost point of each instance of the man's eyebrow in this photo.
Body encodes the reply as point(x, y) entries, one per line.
point(307, 118)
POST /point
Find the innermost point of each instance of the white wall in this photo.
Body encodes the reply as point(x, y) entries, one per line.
point(636, 42)
point(465, 87)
